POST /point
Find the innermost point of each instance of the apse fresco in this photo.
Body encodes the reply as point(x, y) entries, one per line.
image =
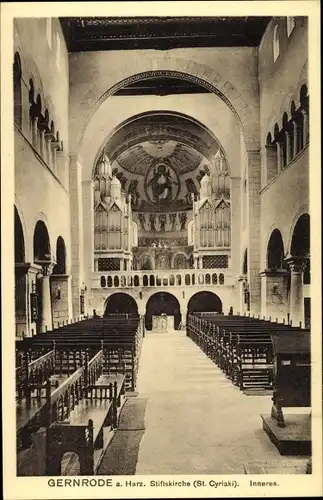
point(162, 184)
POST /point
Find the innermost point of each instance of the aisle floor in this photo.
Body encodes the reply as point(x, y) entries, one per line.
point(196, 421)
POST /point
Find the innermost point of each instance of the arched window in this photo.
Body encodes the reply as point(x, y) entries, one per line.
point(276, 43)
point(214, 279)
point(221, 279)
point(103, 281)
point(290, 24)
point(271, 159)
point(17, 90)
point(207, 279)
point(109, 281)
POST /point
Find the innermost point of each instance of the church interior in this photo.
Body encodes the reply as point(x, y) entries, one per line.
point(162, 245)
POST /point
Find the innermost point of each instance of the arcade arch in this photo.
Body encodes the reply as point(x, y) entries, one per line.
point(162, 303)
point(204, 302)
point(120, 303)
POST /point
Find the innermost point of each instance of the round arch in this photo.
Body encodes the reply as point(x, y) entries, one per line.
point(95, 140)
point(197, 73)
point(158, 112)
point(204, 302)
point(60, 267)
point(275, 250)
point(162, 303)
point(300, 244)
point(20, 253)
point(42, 249)
point(120, 303)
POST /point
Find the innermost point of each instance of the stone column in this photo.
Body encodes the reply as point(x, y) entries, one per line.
point(254, 180)
point(234, 265)
point(77, 238)
point(34, 132)
point(279, 158)
point(274, 293)
point(294, 138)
point(61, 300)
point(47, 319)
point(48, 140)
point(200, 262)
point(88, 231)
point(42, 144)
point(296, 299)
point(305, 128)
point(242, 305)
point(55, 147)
point(21, 300)
point(288, 151)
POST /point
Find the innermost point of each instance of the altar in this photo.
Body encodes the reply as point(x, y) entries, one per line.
point(162, 323)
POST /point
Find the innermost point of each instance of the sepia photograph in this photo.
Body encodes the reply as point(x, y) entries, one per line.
point(162, 264)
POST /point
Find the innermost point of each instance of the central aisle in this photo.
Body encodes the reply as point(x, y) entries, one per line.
point(196, 421)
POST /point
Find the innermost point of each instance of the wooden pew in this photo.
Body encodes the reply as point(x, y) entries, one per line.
point(79, 411)
point(240, 346)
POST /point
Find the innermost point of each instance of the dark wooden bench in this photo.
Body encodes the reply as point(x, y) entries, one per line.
point(240, 346)
point(79, 412)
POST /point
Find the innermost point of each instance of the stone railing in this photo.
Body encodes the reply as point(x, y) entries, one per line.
point(160, 278)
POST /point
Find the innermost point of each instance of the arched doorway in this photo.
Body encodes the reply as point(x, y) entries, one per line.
point(120, 303)
point(162, 303)
point(204, 302)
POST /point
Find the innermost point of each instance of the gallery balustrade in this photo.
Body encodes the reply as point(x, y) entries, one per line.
point(187, 277)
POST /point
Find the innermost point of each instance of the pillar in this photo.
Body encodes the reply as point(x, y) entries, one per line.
point(61, 299)
point(274, 294)
point(76, 211)
point(48, 140)
point(42, 144)
point(242, 308)
point(88, 231)
point(21, 300)
point(288, 151)
point(254, 180)
point(34, 132)
point(295, 139)
point(47, 319)
point(234, 265)
point(296, 299)
point(279, 158)
point(200, 262)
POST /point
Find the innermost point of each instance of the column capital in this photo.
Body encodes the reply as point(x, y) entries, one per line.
point(46, 267)
point(274, 272)
point(296, 264)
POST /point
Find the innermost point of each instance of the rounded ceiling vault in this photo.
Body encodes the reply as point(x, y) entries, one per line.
point(184, 143)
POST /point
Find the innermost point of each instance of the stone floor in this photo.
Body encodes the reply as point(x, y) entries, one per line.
point(196, 421)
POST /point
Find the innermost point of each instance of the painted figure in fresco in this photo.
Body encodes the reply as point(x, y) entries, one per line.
point(133, 190)
point(142, 221)
point(183, 219)
point(152, 221)
point(172, 220)
point(191, 191)
point(162, 221)
point(161, 184)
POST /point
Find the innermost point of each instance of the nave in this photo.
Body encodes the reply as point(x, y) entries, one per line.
point(196, 421)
